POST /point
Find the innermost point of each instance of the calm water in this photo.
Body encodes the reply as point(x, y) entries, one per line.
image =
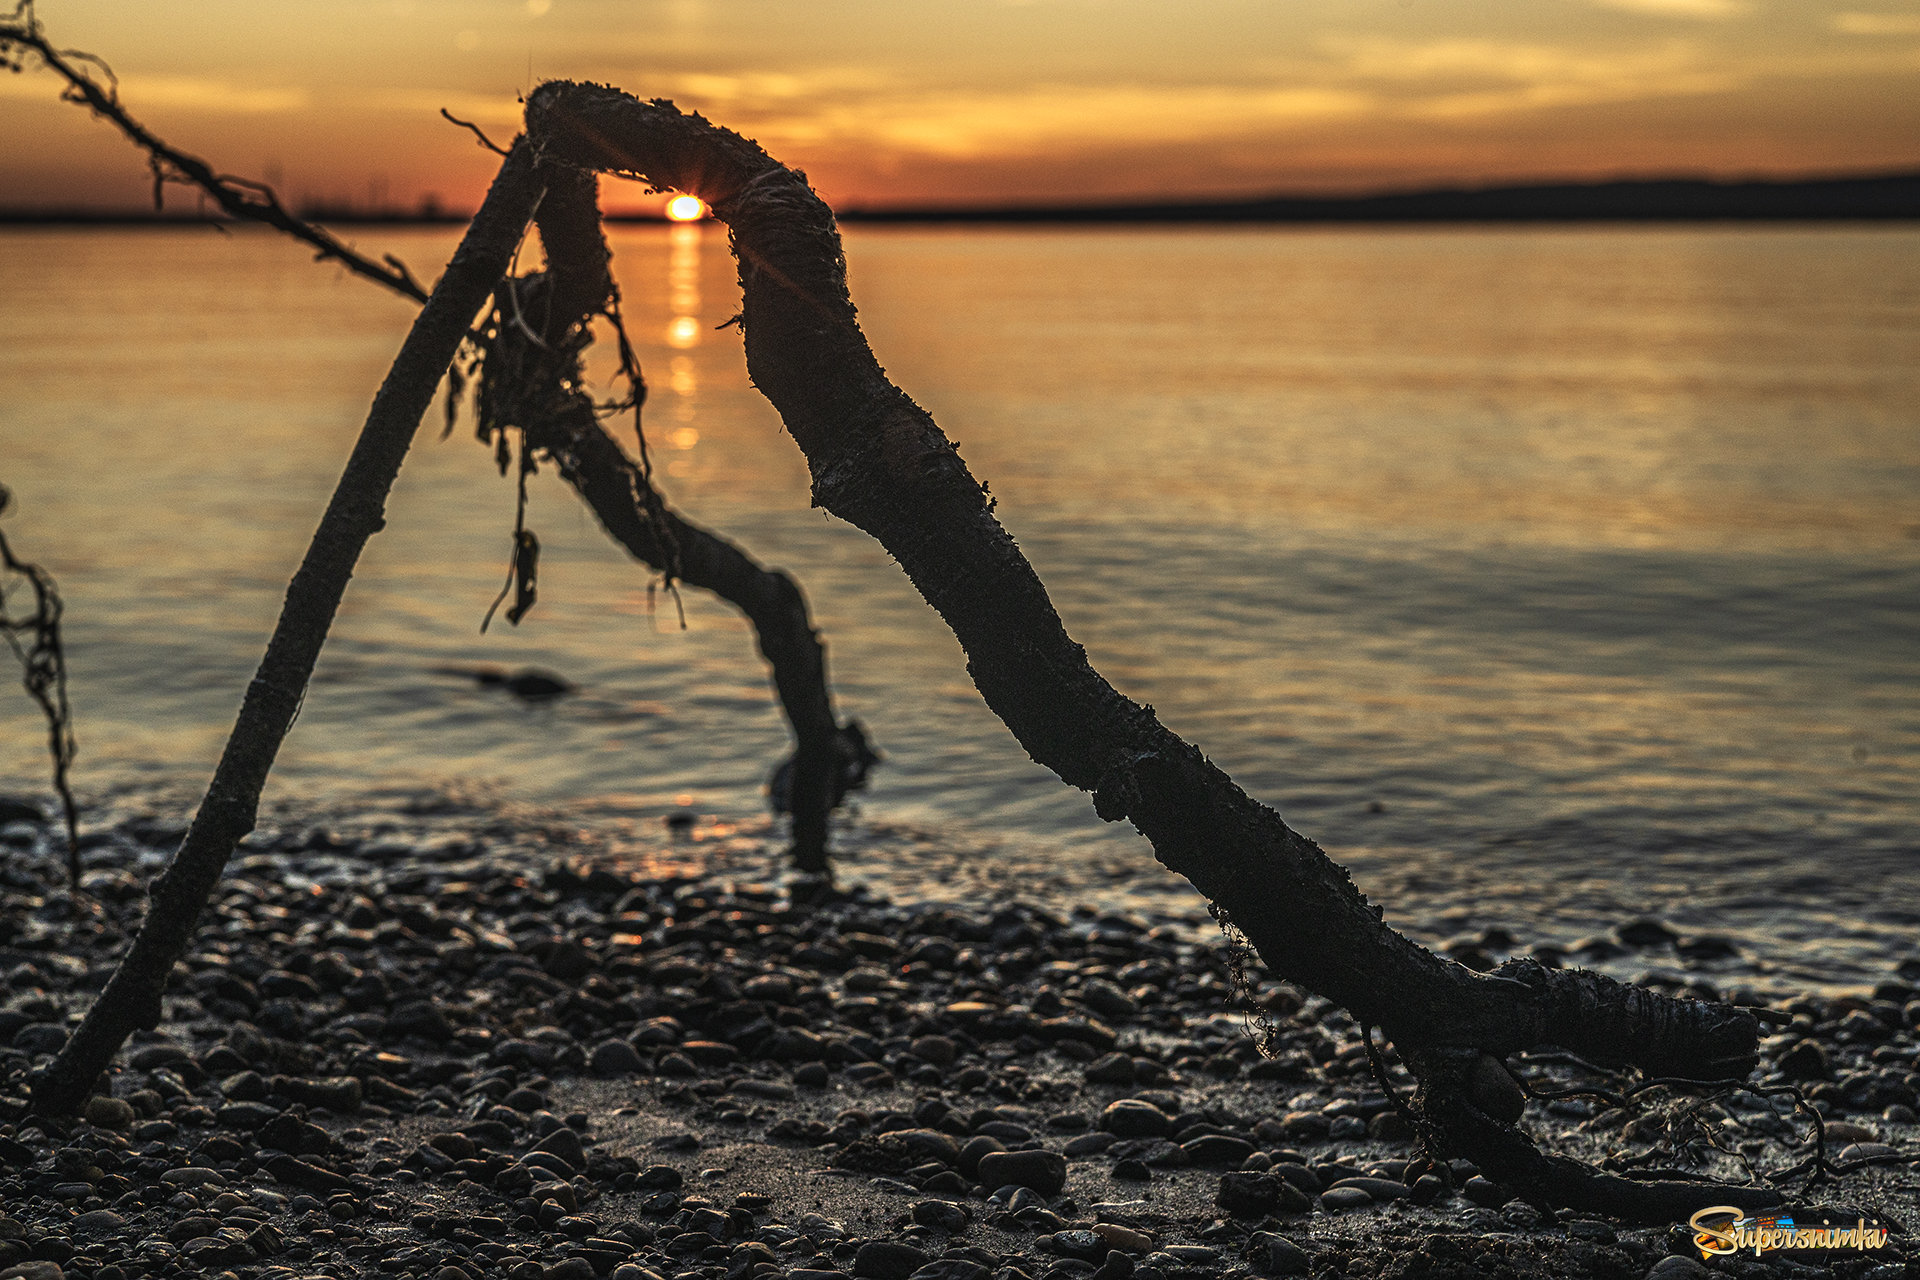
point(1547, 577)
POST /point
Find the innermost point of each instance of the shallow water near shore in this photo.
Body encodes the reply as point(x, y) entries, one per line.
point(1548, 578)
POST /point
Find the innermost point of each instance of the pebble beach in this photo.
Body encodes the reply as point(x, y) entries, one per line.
point(458, 1045)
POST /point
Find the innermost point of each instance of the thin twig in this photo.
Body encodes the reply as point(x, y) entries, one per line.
point(238, 197)
point(475, 129)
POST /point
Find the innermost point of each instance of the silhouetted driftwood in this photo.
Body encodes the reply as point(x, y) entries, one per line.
point(879, 462)
point(132, 996)
point(531, 378)
point(825, 756)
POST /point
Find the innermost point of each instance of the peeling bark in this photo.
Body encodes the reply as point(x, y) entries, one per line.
point(879, 462)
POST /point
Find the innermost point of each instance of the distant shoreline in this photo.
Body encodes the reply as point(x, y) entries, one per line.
point(1881, 198)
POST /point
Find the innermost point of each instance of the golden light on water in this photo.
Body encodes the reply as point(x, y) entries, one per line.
point(686, 209)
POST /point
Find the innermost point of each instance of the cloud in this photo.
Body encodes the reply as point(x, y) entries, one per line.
point(1877, 24)
point(963, 124)
point(479, 108)
point(183, 93)
point(1699, 10)
point(1450, 79)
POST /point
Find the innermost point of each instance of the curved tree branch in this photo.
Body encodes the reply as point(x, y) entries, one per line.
point(879, 461)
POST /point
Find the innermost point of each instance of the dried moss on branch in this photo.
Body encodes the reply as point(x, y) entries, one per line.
point(879, 461)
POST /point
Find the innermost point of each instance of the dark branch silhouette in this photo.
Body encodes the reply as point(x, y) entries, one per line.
point(879, 461)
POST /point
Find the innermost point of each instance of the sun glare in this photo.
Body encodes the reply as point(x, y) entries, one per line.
point(686, 209)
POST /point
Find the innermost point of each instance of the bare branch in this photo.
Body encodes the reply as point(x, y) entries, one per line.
point(238, 197)
point(475, 130)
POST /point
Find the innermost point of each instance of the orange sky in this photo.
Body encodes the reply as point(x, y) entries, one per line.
point(985, 101)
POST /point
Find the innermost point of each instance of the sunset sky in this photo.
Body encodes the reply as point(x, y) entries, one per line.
point(990, 101)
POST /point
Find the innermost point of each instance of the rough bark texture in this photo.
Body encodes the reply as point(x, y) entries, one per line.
point(879, 462)
point(132, 996)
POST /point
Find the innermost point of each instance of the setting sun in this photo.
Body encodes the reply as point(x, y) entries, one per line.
point(686, 209)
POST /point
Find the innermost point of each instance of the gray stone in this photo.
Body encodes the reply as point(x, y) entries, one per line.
point(941, 1215)
point(1044, 1171)
point(887, 1260)
point(1336, 1198)
point(110, 1113)
point(1134, 1118)
point(614, 1058)
point(566, 1144)
point(1377, 1188)
point(1678, 1267)
point(1284, 1257)
point(950, 1269)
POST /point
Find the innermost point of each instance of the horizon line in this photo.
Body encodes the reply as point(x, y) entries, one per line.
point(1887, 195)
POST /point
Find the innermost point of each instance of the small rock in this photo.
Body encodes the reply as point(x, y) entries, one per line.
point(1865, 1151)
point(1123, 1237)
point(938, 1050)
point(1084, 1245)
point(1089, 1144)
point(110, 1113)
point(566, 1144)
point(887, 1260)
point(1334, 1199)
point(1248, 1195)
point(1806, 1061)
point(100, 1220)
point(1490, 1195)
point(660, 1177)
point(1217, 1149)
point(1645, 933)
point(336, 1093)
point(1377, 1188)
point(614, 1058)
point(1111, 1068)
point(1135, 1118)
point(1678, 1267)
point(949, 1269)
point(1285, 1258)
point(1043, 1171)
point(941, 1215)
point(1839, 1131)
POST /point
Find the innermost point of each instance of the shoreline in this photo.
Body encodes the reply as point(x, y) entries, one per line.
point(464, 1045)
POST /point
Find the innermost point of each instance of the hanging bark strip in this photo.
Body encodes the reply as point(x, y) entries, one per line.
point(879, 462)
point(132, 997)
point(826, 759)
